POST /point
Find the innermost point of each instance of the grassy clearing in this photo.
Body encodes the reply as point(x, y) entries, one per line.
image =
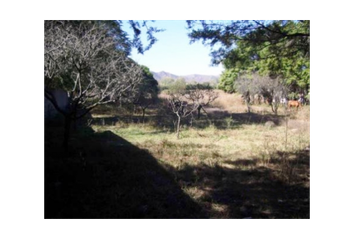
point(225, 166)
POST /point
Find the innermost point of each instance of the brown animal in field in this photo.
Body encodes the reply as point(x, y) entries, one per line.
point(293, 103)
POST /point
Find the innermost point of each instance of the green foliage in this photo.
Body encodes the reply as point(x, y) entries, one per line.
point(200, 86)
point(273, 48)
point(178, 86)
point(165, 83)
point(150, 31)
point(149, 83)
point(227, 80)
point(307, 97)
point(296, 96)
point(115, 30)
point(147, 90)
point(146, 93)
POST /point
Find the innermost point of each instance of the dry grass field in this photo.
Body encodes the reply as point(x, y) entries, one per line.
point(228, 164)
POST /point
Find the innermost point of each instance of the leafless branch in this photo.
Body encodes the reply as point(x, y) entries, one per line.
point(83, 61)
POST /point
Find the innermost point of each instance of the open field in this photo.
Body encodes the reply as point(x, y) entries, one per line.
point(228, 164)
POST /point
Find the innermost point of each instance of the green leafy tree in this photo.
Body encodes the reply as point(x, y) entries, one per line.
point(150, 34)
point(282, 38)
point(227, 80)
point(165, 83)
point(200, 86)
point(178, 86)
point(148, 91)
point(271, 48)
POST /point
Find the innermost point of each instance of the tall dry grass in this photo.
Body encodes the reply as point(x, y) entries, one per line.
point(229, 102)
point(229, 166)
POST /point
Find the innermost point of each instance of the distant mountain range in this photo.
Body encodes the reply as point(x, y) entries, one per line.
point(189, 78)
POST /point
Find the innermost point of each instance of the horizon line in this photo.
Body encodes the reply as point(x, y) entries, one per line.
point(218, 75)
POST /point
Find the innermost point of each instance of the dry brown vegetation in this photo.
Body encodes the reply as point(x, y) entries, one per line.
point(228, 164)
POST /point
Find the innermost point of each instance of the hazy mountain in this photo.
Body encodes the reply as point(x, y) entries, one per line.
point(189, 78)
point(161, 75)
point(200, 78)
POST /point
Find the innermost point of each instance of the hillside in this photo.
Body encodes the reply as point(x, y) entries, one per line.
point(189, 78)
point(161, 75)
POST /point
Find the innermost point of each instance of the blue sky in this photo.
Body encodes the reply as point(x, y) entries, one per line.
point(172, 52)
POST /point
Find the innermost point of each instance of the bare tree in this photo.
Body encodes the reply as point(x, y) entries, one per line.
point(202, 97)
point(181, 107)
point(271, 89)
point(246, 87)
point(145, 99)
point(82, 59)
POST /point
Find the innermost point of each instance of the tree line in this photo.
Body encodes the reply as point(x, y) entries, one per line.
point(89, 60)
point(278, 51)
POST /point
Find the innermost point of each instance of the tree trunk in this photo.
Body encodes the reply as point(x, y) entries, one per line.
point(248, 101)
point(275, 108)
point(286, 132)
point(206, 114)
point(199, 108)
point(248, 107)
point(178, 125)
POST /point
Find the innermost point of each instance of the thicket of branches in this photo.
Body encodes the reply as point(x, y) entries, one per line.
point(202, 95)
point(88, 60)
point(272, 90)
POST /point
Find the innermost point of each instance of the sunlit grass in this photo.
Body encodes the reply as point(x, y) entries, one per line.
point(213, 145)
point(229, 165)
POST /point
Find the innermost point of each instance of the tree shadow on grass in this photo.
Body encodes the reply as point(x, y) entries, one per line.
point(160, 116)
point(247, 189)
point(221, 120)
point(163, 118)
point(105, 176)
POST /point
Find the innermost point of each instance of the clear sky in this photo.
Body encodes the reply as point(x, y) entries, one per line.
point(174, 54)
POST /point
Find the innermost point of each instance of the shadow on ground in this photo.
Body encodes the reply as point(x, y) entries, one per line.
point(216, 117)
point(245, 189)
point(105, 176)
